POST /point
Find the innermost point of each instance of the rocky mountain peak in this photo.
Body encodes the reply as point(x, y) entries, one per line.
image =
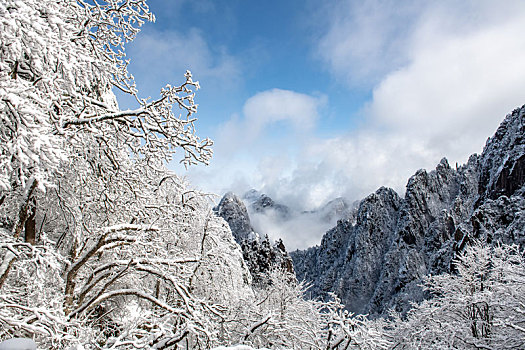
point(378, 263)
point(503, 158)
point(260, 254)
point(232, 209)
point(262, 203)
point(334, 210)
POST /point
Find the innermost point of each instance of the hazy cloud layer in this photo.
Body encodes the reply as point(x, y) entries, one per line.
point(298, 232)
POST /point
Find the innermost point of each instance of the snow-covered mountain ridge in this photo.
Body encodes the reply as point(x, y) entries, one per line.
point(377, 261)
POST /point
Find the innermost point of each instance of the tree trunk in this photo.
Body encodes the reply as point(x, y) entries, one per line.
point(23, 213)
point(30, 224)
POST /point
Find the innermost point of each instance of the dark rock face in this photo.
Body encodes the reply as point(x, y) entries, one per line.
point(500, 220)
point(503, 158)
point(233, 210)
point(260, 255)
point(368, 244)
point(378, 263)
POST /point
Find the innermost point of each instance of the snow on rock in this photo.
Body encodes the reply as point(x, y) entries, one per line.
point(261, 203)
point(237, 347)
point(233, 210)
point(503, 158)
point(18, 344)
point(377, 262)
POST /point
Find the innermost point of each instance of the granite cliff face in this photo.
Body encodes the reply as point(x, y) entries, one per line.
point(499, 211)
point(377, 260)
point(260, 254)
point(233, 210)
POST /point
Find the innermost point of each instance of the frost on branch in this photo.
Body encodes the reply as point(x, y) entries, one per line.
point(90, 219)
point(58, 62)
point(479, 307)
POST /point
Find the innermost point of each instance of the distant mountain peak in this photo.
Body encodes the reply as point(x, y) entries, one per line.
point(261, 203)
point(232, 209)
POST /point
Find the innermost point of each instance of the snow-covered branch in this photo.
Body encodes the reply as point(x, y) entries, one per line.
point(121, 292)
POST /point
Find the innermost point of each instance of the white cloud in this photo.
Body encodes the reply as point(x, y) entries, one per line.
point(351, 166)
point(444, 74)
point(257, 148)
point(277, 105)
point(369, 159)
point(287, 110)
point(461, 81)
point(363, 40)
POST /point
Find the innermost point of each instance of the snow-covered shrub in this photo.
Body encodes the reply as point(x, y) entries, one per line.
point(480, 306)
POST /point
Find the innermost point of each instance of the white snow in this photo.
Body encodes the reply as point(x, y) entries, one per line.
point(237, 347)
point(18, 344)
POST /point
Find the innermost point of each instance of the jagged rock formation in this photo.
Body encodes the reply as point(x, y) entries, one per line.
point(499, 210)
point(233, 210)
point(378, 261)
point(260, 254)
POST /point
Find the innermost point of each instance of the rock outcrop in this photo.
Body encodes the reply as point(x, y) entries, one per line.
point(377, 262)
point(232, 209)
point(259, 253)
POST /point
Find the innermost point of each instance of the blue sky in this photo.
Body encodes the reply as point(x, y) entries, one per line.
point(310, 100)
point(239, 48)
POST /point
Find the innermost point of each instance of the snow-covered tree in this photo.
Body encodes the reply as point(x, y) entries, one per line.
point(59, 61)
point(282, 318)
point(99, 243)
point(480, 306)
